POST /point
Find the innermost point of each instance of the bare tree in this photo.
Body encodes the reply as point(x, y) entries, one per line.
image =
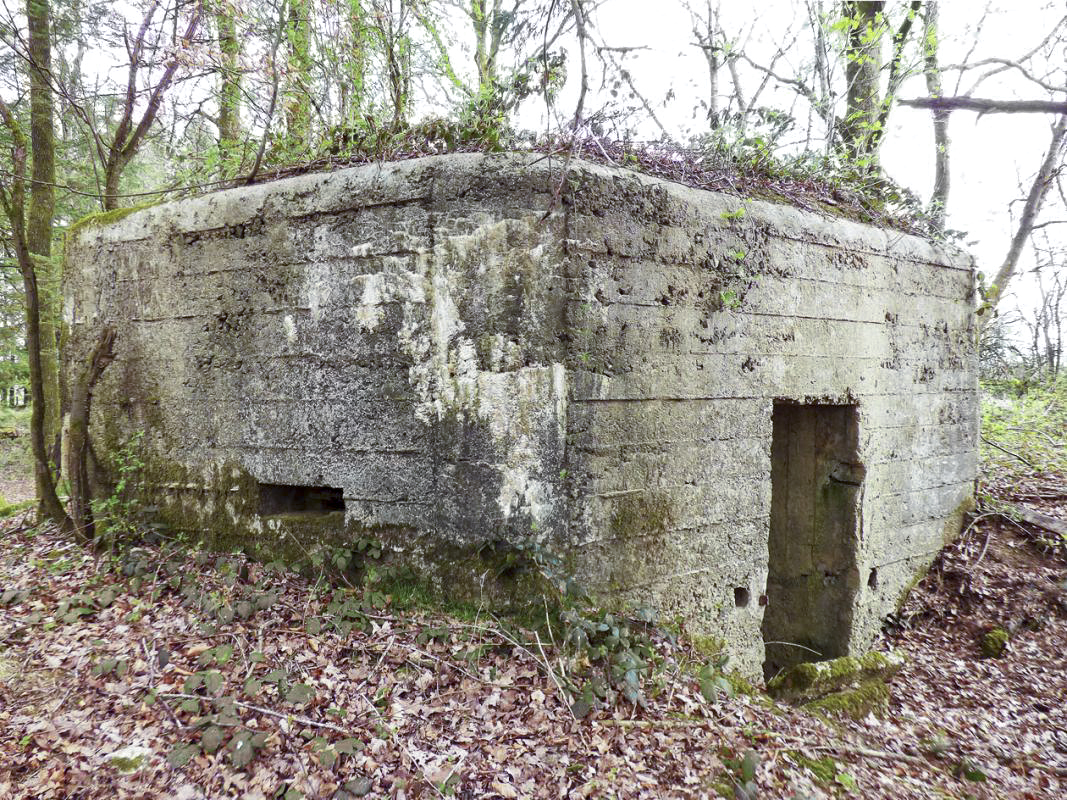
point(1046, 327)
point(1050, 167)
point(130, 135)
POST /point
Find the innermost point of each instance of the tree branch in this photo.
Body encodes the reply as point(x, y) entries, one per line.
point(1034, 200)
point(987, 106)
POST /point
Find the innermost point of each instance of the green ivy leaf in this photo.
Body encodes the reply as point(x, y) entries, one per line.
point(213, 681)
point(241, 749)
point(349, 746)
point(212, 739)
point(748, 766)
point(299, 693)
point(182, 754)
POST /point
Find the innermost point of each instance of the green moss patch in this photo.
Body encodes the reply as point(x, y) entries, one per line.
point(994, 643)
point(850, 686)
point(823, 769)
point(812, 680)
point(870, 697)
point(100, 218)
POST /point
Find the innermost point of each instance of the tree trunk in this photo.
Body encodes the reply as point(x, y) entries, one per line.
point(863, 68)
point(298, 101)
point(355, 66)
point(41, 213)
point(13, 200)
point(78, 444)
point(706, 36)
point(48, 501)
point(939, 196)
point(229, 118)
point(398, 63)
point(480, 21)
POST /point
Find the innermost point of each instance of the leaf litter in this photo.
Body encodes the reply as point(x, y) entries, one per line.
point(226, 678)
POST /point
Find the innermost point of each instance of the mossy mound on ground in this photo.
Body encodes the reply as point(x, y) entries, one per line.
point(870, 697)
point(994, 643)
point(812, 680)
point(853, 686)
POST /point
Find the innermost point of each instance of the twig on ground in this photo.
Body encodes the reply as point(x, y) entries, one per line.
point(269, 712)
point(1007, 451)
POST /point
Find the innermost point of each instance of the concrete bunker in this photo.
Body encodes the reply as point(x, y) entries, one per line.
point(455, 357)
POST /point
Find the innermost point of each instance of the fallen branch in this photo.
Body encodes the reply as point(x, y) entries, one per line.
point(1061, 771)
point(1051, 524)
point(260, 710)
point(1009, 452)
point(885, 755)
point(655, 723)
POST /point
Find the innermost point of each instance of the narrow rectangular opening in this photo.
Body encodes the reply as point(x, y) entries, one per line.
point(282, 499)
point(816, 491)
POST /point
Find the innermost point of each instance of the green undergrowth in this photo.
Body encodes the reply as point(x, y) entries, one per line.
point(731, 160)
point(15, 455)
point(1023, 429)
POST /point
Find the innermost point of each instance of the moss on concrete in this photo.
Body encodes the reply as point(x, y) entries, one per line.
point(954, 523)
point(100, 218)
point(641, 515)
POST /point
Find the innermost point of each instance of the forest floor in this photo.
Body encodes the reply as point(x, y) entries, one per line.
point(16, 462)
point(172, 673)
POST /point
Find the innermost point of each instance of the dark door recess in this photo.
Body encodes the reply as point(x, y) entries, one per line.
point(816, 492)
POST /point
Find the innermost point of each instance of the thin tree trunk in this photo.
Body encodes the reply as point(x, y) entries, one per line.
point(127, 139)
point(355, 66)
point(13, 200)
point(897, 73)
point(47, 498)
point(229, 119)
point(480, 21)
point(297, 101)
point(939, 197)
point(78, 452)
point(706, 41)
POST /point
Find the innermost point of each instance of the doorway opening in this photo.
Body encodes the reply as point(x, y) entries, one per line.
point(816, 492)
